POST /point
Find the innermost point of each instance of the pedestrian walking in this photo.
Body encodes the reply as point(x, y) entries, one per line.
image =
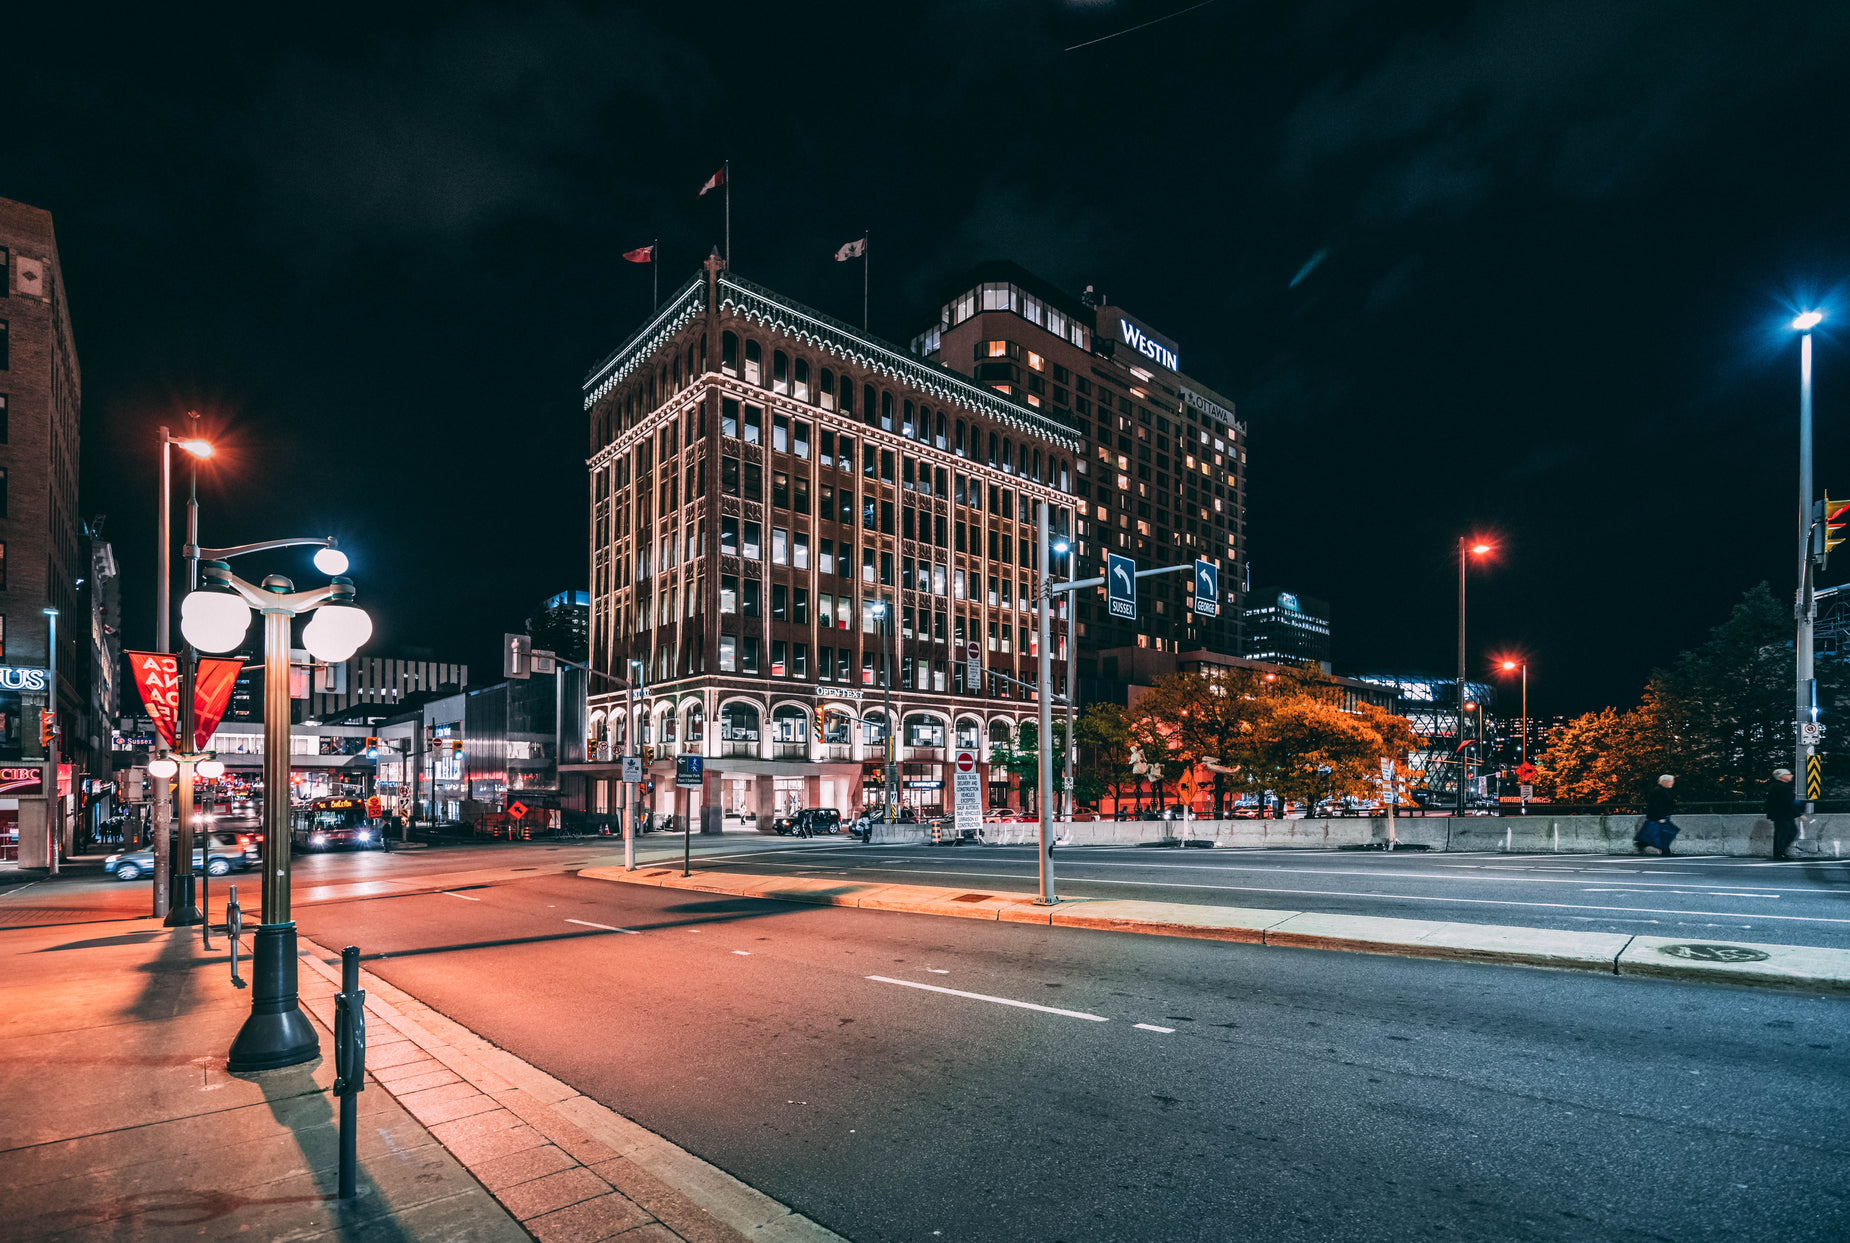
point(1658, 829)
point(1783, 810)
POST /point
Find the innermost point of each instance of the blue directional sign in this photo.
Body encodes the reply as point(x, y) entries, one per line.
point(687, 770)
point(1207, 588)
point(1121, 585)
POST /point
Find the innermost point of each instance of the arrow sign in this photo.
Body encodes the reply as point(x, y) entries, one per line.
point(1207, 588)
point(1121, 585)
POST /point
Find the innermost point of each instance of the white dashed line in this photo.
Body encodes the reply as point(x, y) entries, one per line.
point(1151, 1027)
point(743, 953)
point(1001, 1001)
point(937, 970)
point(603, 927)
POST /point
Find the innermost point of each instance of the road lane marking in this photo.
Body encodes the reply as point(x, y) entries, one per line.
point(465, 897)
point(937, 970)
point(605, 927)
point(1151, 1027)
point(743, 953)
point(1001, 1001)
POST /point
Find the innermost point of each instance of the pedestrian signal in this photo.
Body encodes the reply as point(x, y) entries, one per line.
point(372, 748)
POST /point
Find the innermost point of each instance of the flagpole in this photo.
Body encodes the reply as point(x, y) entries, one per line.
point(867, 258)
point(726, 170)
point(655, 274)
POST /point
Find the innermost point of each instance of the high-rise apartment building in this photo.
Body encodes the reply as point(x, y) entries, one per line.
point(791, 523)
point(1287, 627)
point(40, 554)
point(1162, 475)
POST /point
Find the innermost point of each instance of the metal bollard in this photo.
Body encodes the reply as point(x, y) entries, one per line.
point(234, 925)
point(349, 1061)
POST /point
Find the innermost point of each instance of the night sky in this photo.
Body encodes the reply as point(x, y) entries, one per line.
point(1515, 269)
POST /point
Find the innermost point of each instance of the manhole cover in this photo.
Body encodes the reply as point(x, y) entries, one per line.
point(972, 897)
point(1714, 953)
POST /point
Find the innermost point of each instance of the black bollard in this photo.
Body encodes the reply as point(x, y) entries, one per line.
point(349, 1063)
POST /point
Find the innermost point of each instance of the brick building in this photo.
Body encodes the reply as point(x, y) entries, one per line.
point(41, 553)
point(761, 477)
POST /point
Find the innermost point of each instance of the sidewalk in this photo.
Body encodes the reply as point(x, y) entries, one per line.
point(119, 1120)
point(1806, 968)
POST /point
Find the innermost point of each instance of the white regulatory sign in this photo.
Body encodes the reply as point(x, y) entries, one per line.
point(969, 802)
point(1811, 732)
point(632, 768)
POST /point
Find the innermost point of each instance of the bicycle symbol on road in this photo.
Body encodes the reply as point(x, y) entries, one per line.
point(1714, 953)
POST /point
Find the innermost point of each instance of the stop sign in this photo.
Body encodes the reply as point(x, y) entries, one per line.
point(966, 762)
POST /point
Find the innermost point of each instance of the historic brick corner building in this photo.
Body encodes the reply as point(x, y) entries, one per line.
point(761, 476)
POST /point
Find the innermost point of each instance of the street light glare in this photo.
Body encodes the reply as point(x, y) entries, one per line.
point(1509, 665)
point(1808, 321)
point(198, 448)
point(1480, 549)
point(331, 561)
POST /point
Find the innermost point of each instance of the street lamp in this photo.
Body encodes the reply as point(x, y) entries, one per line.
point(55, 803)
point(1510, 666)
point(1475, 548)
point(1808, 605)
point(886, 678)
point(214, 619)
point(1064, 546)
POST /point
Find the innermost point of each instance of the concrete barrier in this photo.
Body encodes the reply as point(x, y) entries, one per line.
point(1823, 836)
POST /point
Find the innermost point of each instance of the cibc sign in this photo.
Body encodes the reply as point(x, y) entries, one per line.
point(22, 780)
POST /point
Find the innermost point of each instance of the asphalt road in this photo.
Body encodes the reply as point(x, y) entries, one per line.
point(905, 1077)
point(1725, 898)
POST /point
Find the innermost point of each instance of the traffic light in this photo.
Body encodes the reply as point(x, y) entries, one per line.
point(372, 748)
point(822, 723)
point(648, 753)
point(1828, 517)
point(48, 728)
point(456, 747)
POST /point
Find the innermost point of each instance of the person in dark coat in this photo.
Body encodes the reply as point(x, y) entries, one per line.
point(1658, 829)
point(1783, 810)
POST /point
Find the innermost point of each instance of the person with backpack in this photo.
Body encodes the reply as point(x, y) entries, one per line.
point(1658, 829)
point(1783, 810)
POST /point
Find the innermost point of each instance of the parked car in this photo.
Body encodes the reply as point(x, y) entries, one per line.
point(230, 852)
point(809, 821)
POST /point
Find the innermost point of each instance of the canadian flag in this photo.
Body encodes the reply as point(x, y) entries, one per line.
point(644, 255)
point(851, 250)
point(714, 182)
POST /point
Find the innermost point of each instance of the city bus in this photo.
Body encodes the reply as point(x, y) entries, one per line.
point(330, 822)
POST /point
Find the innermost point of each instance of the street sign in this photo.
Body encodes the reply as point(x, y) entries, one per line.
point(1207, 588)
point(687, 770)
point(1528, 791)
point(1811, 733)
point(1527, 772)
point(966, 761)
point(1121, 585)
point(541, 661)
point(632, 768)
point(968, 805)
point(973, 672)
point(517, 809)
point(1814, 776)
point(516, 656)
point(374, 806)
point(1387, 769)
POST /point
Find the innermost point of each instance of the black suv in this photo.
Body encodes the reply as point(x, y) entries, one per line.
point(809, 821)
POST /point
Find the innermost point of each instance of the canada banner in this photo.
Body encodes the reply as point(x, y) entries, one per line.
point(158, 676)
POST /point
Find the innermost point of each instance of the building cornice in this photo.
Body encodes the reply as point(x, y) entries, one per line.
point(683, 306)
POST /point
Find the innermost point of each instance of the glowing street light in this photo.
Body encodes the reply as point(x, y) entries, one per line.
point(1807, 694)
point(1478, 548)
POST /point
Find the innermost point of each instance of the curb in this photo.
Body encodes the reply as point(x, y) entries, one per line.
point(562, 1164)
point(1794, 967)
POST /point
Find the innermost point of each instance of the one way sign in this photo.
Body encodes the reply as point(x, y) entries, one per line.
point(1121, 585)
point(1207, 588)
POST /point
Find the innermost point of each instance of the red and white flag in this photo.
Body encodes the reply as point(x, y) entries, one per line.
point(714, 182)
point(645, 254)
point(851, 250)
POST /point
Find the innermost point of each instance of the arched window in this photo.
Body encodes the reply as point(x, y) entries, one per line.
point(780, 372)
point(968, 732)
point(869, 404)
point(847, 395)
point(790, 724)
point(962, 428)
point(826, 390)
point(729, 353)
point(940, 440)
point(1021, 459)
point(754, 362)
point(873, 726)
point(1066, 477)
point(999, 732)
point(674, 374)
point(924, 731)
point(802, 379)
point(908, 425)
point(1037, 466)
point(836, 726)
point(696, 723)
point(886, 411)
point(669, 727)
point(619, 731)
point(1005, 453)
point(992, 448)
point(703, 351)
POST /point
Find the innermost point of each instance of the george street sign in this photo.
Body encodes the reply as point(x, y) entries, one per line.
point(1207, 588)
point(1121, 586)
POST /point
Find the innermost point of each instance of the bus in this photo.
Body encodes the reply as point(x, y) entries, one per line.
point(330, 822)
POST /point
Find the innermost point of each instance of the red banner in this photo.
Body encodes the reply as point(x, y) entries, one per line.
point(158, 676)
point(212, 686)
